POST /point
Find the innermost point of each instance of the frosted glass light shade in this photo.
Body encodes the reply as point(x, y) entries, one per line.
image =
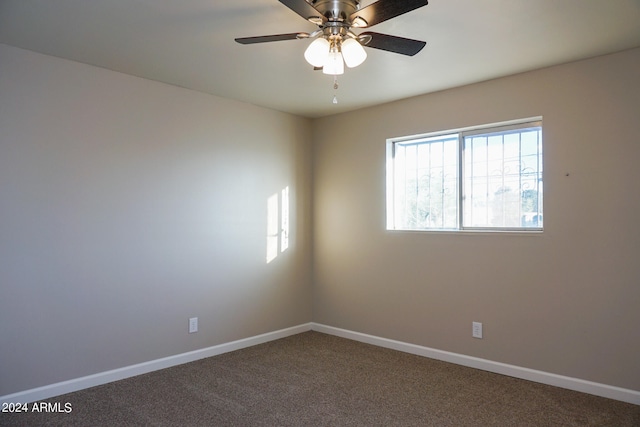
point(334, 64)
point(317, 52)
point(353, 53)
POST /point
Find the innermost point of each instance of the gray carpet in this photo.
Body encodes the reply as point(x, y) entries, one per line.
point(313, 379)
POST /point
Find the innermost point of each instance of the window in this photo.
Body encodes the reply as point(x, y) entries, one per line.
point(486, 178)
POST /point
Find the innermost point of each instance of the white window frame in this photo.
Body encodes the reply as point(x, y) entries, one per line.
point(461, 134)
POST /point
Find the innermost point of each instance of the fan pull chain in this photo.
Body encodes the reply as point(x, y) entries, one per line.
point(335, 88)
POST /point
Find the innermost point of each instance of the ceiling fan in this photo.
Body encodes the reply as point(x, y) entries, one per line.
point(335, 44)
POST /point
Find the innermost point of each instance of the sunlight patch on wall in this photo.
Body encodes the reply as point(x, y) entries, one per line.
point(277, 224)
point(284, 220)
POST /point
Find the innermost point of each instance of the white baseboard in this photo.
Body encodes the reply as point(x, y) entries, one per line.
point(597, 389)
point(57, 389)
point(70, 386)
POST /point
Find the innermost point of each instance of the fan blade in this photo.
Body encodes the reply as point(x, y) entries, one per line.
point(273, 38)
point(383, 10)
point(304, 9)
point(394, 44)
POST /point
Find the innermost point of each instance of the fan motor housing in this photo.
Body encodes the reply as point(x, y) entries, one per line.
point(336, 10)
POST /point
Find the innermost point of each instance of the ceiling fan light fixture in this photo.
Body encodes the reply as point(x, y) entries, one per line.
point(335, 64)
point(333, 43)
point(353, 53)
point(317, 52)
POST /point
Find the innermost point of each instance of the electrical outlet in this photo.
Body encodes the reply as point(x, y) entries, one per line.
point(476, 329)
point(193, 325)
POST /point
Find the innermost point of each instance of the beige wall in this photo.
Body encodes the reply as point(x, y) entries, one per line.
point(128, 206)
point(566, 301)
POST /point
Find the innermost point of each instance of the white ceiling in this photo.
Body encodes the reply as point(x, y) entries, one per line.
point(190, 43)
